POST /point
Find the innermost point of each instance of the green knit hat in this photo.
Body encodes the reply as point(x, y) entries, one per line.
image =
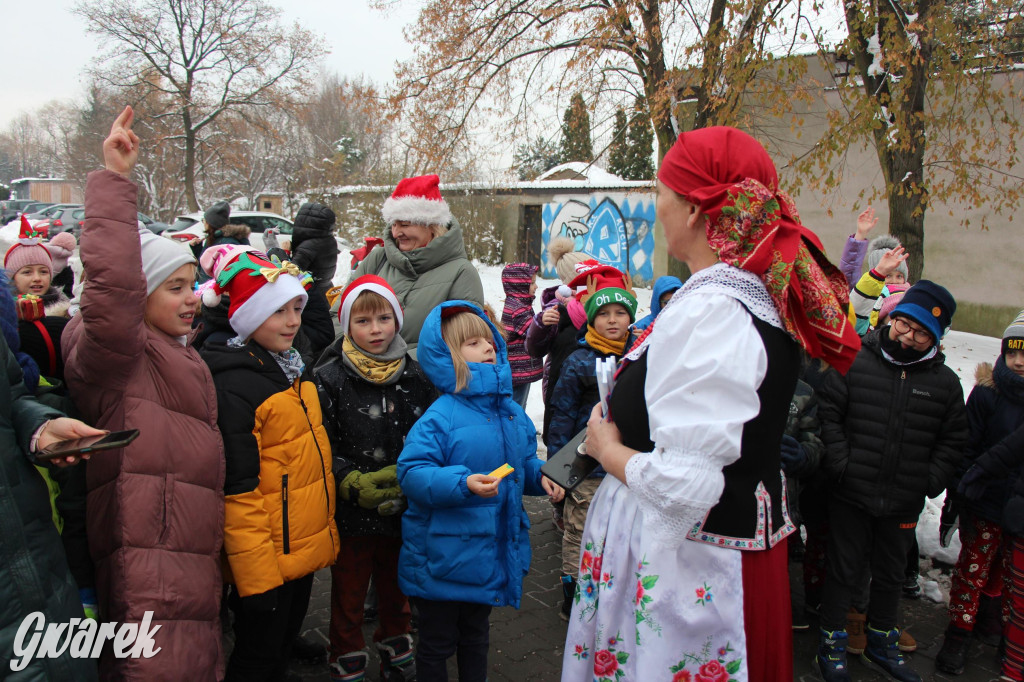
point(603, 297)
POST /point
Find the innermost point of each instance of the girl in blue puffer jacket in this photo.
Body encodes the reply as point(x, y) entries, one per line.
point(465, 535)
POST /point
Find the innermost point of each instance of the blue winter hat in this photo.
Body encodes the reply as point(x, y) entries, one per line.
point(928, 304)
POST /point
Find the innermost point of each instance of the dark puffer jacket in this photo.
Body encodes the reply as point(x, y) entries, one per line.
point(313, 245)
point(894, 433)
point(995, 409)
point(574, 396)
point(367, 424)
point(34, 574)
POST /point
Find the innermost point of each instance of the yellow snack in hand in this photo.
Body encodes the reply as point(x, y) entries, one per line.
point(501, 472)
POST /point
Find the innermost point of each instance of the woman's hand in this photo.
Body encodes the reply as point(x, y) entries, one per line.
point(554, 491)
point(482, 485)
point(121, 148)
point(604, 443)
point(64, 428)
point(602, 435)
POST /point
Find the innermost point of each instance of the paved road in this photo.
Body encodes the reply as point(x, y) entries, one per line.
point(526, 645)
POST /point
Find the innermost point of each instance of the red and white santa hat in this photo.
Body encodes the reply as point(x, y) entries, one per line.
point(256, 286)
point(417, 200)
point(28, 250)
point(367, 283)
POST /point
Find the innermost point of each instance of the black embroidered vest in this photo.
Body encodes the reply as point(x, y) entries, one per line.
point(751, 513)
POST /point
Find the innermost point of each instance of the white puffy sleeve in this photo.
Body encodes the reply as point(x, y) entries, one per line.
point(705, 362)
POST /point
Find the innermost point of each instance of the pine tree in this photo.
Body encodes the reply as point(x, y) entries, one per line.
point(576, 132)
point(618, 150)
point(532, 159)
point(640, 145)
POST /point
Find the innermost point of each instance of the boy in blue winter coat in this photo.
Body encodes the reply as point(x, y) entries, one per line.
point(664, 287)
point(465, 535)
point(610, 311)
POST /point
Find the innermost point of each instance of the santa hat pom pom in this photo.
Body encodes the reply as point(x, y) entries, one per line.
point(563, 291)
point(209, 293)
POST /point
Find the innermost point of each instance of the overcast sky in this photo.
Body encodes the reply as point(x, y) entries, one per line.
point(47, 48)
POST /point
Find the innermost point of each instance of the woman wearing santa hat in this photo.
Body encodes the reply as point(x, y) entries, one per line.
point(424, 255)
point(684, 566)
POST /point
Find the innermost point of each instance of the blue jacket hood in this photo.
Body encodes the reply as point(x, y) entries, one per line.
point(436, 360)
point(661, 285)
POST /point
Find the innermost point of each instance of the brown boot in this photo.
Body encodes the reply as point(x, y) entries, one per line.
point(855, 629)
point(907, 642)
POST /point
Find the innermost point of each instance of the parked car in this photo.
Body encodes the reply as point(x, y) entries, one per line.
point(12, 208)
point(154, 226)
point(62, 219)
point(78, 220)
point(45, 213)
point(192, 224)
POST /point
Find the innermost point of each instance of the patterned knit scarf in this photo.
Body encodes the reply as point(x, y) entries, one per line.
point(753, 225)
point(373, 369)
point(605, 345)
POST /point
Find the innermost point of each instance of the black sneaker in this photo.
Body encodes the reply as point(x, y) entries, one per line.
point(912, 587)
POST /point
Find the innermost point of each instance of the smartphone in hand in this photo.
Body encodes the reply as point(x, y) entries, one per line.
point(83, 446)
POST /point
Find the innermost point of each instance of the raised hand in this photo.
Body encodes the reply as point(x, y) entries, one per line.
point(121, 148)
point(891, 260)
point(866, 221)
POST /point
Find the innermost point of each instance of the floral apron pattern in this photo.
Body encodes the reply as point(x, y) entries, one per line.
point(649, 612)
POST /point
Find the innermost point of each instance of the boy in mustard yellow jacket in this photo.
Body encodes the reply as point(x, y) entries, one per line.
point(279, 489)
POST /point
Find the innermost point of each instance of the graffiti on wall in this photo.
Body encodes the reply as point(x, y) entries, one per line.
point(614, 229)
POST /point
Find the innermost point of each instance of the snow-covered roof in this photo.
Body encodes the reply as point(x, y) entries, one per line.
point(579, 170)
point(574, 175)
point(14, 182)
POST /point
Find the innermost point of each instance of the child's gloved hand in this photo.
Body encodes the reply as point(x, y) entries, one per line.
point(792, 454)
point(371, 489)
point(973, 484)
point(949, 520)
point(264, 602)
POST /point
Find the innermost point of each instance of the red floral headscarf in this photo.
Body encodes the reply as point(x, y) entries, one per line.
point(753, 225)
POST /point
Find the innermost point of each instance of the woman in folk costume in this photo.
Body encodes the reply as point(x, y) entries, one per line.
point(692, 516)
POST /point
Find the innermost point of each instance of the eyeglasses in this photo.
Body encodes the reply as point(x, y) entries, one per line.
point(902, 328)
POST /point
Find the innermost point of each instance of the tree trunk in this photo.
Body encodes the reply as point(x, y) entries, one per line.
point(907, 205)
point(190, 161)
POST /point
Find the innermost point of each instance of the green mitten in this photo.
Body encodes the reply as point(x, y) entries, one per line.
point(346, 487)
point(385, 477)
point(369, 490)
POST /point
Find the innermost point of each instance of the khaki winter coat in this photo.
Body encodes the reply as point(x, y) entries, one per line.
point(155, 510)
point(425, 277)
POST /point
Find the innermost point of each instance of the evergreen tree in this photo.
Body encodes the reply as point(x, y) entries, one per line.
point(640, 145)
point(534, 158)
point(576, 132)
point(618, 151)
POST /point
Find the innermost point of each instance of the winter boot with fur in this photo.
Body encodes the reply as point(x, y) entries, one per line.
point(952, 656)
point(883, 652)
point(397, 661)
point(831, 657)
point(568, 594)
point(349, 667)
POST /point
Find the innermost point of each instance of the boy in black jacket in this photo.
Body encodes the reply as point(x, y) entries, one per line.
point(894, 428)
point(372, 393)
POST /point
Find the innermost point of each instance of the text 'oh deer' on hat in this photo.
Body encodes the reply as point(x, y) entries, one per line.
point(256, 286)
point(28, 250)
point(417, 200)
